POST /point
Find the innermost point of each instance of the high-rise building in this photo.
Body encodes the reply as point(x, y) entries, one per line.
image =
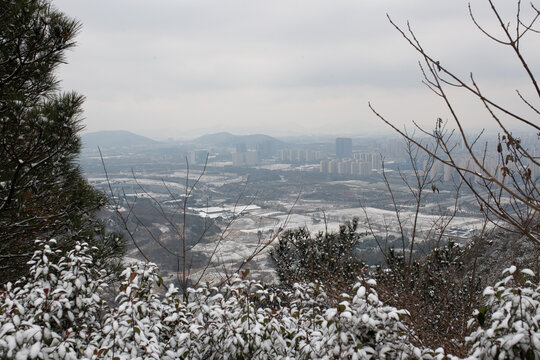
point(325, 166)
point(266, 149)
point(248, 158)
point(198, 156)
point(333, 166)
point(285, 155)
point(241, 147)
point(376, 161)
point(344, 148)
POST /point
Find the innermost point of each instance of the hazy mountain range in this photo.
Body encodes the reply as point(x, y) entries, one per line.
point(226, 139)
point(121, 138)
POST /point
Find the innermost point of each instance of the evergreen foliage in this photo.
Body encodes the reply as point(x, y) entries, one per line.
point(42, 191)
point(508, 325)
point(325, 257)
point(60, 312)
point(440, 291)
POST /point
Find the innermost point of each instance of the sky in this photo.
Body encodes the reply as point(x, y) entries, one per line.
point(183, 68)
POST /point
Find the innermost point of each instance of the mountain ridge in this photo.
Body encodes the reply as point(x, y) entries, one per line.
point(115, 138)
point(124, 138)
point(228, 139)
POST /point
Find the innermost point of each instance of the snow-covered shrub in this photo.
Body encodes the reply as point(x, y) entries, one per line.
point(132, 329)
point(246, 320)
point(55, 312)
point(327, 257)
point(361, 328)
point(508, 324)
point(60, 312)
point(438, 292)
point(227, 323)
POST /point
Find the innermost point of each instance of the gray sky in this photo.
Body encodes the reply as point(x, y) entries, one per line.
point(182, 68)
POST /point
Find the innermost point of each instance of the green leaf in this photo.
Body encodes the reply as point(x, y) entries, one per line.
point(481, 318)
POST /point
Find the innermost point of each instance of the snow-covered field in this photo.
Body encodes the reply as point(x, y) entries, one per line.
point(131, 182)
point(330, 220)
point(254, 226)
point(250, 232)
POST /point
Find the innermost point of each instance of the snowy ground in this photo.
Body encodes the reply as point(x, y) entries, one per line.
point(250, 233)
point(131, 183)
point(331, 219)
point(259, 226)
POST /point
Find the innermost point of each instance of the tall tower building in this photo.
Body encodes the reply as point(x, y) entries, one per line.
point(344, 148)
point(241, 147)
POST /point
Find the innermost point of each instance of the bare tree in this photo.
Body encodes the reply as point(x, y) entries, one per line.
point(421, 184)
point(506, 190)
point(427, 274)
point(185, 243)
point(441, 290)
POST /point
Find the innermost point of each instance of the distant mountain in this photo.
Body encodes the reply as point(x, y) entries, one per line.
point(226, 139)
point(110, 139)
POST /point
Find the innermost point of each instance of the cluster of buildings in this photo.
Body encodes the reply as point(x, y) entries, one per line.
point(492, 164)
point(345, 167)
point(349, 163)
point(362, 164)
point(198, 157)
point(448, 173)
point(245, 158)
point(358, 163)
point(302, 155)
point(345, 162)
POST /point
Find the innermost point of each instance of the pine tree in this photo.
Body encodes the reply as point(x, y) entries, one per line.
point(42, 191)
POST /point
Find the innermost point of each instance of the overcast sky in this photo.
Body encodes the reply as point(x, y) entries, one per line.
point(182, 68)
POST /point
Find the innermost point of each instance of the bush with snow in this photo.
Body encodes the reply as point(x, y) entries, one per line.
point(508, 325)
point(61, 312)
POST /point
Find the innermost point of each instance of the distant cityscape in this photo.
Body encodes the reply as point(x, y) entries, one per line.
point(254, 186)
point(342, 159)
